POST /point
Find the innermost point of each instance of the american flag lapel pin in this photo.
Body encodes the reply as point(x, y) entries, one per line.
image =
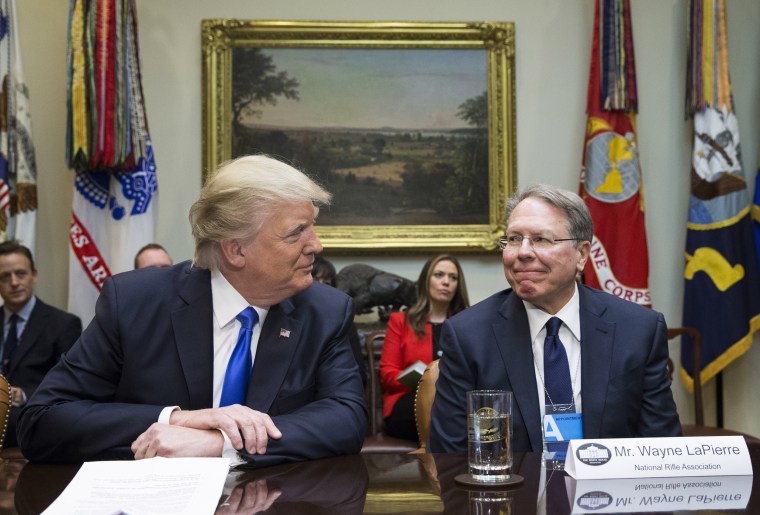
point(284, 333)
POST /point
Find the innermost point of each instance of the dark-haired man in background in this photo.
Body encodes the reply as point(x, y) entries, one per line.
point(152, 254)
point(34, 333)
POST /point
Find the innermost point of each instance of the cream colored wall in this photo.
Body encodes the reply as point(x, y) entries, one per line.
point(553, 39)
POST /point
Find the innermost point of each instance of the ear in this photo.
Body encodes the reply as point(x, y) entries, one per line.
point(584, 251)
point(232, 253)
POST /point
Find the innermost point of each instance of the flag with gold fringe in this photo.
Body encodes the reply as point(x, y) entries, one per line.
point(721, 293)
point(108, 146)
point(611, 182)
point(18, 170)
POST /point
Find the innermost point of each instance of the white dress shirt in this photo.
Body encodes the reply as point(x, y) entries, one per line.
point(21, 320)
point(569, 334)
point(227, 303)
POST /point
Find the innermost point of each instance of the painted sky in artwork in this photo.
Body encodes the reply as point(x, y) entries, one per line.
point(375, 88)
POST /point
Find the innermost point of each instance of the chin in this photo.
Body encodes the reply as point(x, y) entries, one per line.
point(302, 284)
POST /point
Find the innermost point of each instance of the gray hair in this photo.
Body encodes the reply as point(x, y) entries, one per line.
point(240, 196)
point(579, 221)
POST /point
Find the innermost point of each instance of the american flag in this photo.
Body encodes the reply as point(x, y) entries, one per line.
point(5, 191)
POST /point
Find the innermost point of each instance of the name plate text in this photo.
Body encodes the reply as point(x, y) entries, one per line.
point(658, 457)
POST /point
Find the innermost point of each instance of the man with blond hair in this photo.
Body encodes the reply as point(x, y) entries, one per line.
point(239, 353)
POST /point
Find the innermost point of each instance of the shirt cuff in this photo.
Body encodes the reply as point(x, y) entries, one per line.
point(19, 402)
point(166, 413)
point(228, 451)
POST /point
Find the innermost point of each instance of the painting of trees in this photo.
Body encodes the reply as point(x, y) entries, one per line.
point(255, 82)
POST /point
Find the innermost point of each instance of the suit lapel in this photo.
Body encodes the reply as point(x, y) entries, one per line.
point(597, 343)
point(280, 336)
point(513, 337)
point(194, 337)
point(32, 331)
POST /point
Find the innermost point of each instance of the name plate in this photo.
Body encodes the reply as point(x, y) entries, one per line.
point(609, 458)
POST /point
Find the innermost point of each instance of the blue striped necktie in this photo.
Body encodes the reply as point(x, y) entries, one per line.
point(238, 373)
point(557, 382)
point(10, 343)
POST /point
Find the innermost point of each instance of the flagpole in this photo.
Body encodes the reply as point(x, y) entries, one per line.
point(719, 400)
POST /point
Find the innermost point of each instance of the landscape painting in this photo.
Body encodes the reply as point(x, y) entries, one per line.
point(397, 136)
point(408, 138)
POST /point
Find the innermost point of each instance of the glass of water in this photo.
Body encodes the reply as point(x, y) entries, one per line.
point(489, 428)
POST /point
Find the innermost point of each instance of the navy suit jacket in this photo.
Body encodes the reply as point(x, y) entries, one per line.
point(625, 389)
point(48, 333)
point(150, 345)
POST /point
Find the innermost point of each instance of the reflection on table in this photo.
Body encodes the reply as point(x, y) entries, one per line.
point(391, 483)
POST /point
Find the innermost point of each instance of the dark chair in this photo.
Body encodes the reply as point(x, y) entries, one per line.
point(699, 428)
point(5, 407)
point(377, 441)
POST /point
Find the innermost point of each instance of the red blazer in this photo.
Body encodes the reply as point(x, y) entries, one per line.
point(401, 348)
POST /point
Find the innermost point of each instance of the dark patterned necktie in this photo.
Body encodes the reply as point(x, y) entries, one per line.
point(559, 387)
point(10, 344)
point(238, 373)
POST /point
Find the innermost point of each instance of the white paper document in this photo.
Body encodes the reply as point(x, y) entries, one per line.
point(144, 487)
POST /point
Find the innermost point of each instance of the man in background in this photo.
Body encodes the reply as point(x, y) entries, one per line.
point(34, 333)
point(238, 354)
point(152, 254)
point(552, 341)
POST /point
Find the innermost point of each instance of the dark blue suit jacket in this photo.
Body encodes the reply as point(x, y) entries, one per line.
point(625, 389)
point(48, 333)
point(150, 345)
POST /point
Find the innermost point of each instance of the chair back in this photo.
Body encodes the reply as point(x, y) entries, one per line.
point(695, 338)
point(5, 407)
point(373, 344)
point(423, 403)
point(699, 428)
point(376, 441)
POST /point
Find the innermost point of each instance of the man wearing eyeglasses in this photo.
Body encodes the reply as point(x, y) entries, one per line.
point(605, 359)
point(34, 334)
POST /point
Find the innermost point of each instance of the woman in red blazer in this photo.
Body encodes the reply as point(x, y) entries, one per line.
point(413, 335)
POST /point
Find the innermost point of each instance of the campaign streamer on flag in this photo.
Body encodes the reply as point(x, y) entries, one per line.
point(721, 293)
point(18, 170)
point(611, 183)
point(108, 146)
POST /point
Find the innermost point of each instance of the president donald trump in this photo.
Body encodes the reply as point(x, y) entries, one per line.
point(558, 345)
point(236, 354)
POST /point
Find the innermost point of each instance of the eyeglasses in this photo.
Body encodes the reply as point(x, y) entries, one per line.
point(537, 242)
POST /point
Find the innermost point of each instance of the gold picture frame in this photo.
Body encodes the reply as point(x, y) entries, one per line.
point(252, 45)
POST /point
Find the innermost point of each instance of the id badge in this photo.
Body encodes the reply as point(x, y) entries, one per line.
point(559, 427)
point(563, 427)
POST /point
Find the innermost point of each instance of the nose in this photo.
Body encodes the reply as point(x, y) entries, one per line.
point(313, 244)
point(525, 248)
point(14, 279)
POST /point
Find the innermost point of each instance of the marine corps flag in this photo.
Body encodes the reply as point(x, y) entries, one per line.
point(721, 293)
point(611, 182)
point(107, 144)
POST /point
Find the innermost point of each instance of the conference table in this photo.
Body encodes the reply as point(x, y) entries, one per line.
point(410, 484)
